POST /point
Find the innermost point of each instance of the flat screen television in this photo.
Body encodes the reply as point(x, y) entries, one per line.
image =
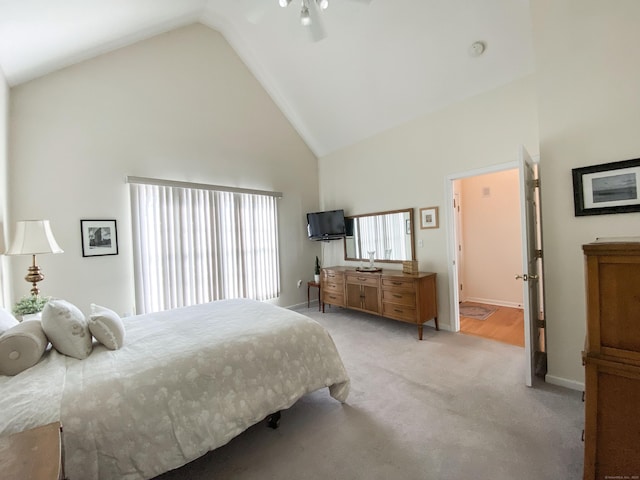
point(327, 225)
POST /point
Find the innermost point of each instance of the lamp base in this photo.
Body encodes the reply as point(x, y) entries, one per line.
point(33, 277)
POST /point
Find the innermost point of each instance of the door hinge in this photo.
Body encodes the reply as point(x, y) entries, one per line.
point(537, 253)
point(536, 183)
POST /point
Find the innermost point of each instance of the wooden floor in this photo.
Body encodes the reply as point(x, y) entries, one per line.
point(505, 325)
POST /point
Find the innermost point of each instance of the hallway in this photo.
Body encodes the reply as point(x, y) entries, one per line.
point(505, 325)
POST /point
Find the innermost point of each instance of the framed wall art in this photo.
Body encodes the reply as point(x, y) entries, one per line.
point(99, 237)
point(429, 217)
point(607, 188)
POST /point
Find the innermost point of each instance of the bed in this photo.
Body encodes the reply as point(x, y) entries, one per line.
point(185, 382)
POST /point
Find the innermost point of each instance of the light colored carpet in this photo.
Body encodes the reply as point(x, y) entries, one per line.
point(452, 407)
point(477, 312)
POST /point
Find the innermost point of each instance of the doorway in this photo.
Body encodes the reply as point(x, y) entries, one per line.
point(488, 252)
point(529, 273)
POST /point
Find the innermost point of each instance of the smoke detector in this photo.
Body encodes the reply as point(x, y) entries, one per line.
point(476, 49)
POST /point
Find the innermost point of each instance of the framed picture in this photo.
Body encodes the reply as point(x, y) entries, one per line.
point(99, 237)
point(429, 217)
point(607, 188)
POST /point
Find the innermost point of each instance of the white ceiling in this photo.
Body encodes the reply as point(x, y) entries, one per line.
point(382, 63)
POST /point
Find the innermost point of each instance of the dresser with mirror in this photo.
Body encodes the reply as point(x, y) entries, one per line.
point(388, 238)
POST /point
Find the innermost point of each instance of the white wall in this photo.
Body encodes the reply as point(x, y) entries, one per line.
point(407, 166)
point(5, 282)
point(491, 238)
point(588, 78)
point(179, 106)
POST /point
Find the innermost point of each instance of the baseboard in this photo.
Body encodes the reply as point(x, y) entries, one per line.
point(297, 306)
point(500, 303)
point(563, 382)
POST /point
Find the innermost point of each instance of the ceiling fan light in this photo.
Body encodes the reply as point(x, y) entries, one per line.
point(284, 3)
point(305, 19)
point(323, 4)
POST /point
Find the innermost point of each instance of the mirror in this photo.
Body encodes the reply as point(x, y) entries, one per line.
point(388, 234)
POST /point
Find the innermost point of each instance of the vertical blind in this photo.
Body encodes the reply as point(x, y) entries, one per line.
point(196, 244)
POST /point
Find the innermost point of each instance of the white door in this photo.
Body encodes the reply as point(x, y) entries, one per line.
point(459, 250)
point(530, 273)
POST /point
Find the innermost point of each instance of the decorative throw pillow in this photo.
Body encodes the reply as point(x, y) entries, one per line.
point(21, 347)
point(67, 329)
point(106, 326)
point(7, 321)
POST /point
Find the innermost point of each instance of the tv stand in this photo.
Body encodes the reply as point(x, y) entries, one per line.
point(410, 298)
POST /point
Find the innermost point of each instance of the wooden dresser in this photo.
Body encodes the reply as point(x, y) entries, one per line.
point(612, 361)
point(392, 294)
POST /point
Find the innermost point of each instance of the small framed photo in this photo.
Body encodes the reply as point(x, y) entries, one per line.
point(429, 217)
point(607, 188)
point(99, 237)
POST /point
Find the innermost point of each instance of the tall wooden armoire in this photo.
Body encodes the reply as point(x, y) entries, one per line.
point(612, 360)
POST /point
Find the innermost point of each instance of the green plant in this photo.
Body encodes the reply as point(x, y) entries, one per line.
point(317, 270)
point(30, 304)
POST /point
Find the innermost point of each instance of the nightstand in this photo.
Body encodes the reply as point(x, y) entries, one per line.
point(34, 454)
point(316, 285)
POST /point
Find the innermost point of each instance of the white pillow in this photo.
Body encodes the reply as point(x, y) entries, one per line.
point(67, 329)
point(106, 325)
point(21, 347)
point(7, 321)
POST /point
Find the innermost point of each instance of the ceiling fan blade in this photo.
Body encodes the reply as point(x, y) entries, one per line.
point(316, 28)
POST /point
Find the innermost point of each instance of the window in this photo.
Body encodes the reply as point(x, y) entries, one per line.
point(197, 243)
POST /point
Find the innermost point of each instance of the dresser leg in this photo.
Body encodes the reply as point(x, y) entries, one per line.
point(436, 320)
point(420, 332)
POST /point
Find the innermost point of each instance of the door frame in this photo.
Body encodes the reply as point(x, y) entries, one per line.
point(454, 298)
point(451, 234)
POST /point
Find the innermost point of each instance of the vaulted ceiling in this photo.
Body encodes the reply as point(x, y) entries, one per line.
point(383, 62)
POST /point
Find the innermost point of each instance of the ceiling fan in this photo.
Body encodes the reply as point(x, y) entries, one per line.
point(309, 14)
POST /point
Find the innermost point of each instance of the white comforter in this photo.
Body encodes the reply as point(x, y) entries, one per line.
point(187, 381)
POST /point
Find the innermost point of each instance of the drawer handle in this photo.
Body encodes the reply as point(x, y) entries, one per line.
point(397, 283)
point(332, 297)
point(363, 278)
point(397, 296)
point(398, 310)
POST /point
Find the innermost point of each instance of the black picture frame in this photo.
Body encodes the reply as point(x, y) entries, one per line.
point(607, 188)
point(99, 237)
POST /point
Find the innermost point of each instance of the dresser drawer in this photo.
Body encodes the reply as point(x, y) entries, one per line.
point(399, 297)
point(399, 312)
point(364, 279)
point(333, 287)
point(399, 284)
point(333, 298)
point(330, 276)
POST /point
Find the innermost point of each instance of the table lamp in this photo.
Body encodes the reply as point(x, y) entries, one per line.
point(33, 237)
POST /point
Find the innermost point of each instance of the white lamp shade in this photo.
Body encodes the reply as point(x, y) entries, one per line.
point(33, 237)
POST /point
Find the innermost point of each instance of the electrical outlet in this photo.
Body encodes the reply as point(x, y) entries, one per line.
point(299, 283)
